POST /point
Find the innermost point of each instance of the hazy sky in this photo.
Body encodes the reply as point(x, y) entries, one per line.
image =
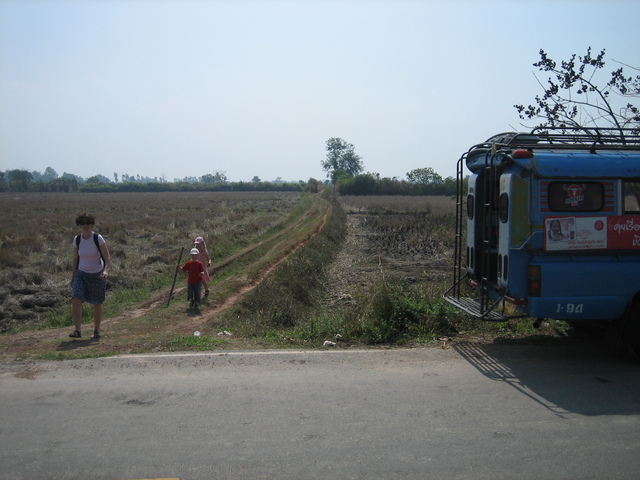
point(255, 88)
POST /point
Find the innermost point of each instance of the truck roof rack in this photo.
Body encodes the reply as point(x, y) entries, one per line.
point(549, 138)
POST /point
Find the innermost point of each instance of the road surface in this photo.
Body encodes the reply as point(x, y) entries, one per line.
point(468, 412)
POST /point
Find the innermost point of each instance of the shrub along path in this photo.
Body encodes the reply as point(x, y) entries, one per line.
point(153, 325)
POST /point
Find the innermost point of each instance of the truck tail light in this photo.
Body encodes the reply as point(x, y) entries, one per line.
point(522, 154)
point(535, 280)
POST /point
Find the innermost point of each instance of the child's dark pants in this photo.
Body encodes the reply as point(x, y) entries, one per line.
point(193, 292)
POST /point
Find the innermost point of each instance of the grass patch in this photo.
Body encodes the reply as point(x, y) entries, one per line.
point(388, 312)
point(197, 343)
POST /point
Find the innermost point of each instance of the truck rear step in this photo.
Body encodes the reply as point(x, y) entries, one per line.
point(472, 307)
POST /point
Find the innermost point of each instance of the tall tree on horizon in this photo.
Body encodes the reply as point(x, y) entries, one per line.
point(341, 159)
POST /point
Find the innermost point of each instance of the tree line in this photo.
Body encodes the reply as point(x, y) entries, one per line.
point(25, 181)
point(360, 184)
point(347, 180)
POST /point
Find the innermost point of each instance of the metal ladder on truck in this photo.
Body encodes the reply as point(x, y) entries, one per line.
point(483, 307)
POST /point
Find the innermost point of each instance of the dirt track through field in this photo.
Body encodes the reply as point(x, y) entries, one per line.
point(230, 301)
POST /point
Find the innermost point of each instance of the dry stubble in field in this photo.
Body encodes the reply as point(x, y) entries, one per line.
point(411, 237)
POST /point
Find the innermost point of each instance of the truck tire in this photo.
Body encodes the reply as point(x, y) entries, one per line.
point(631, 331)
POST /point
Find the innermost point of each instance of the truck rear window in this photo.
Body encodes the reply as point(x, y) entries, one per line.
point(570, 196)
point(631, 195)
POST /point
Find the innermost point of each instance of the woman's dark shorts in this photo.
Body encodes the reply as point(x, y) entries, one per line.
point(89, 287)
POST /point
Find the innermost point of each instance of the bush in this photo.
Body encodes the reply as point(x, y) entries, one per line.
point(393, 311)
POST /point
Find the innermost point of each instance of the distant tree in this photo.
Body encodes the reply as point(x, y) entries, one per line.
point(98, 179)
point(186, 180)
point(55, 185)
point(220, 176)
point(341, 159)
point(215, 177)
point(574, 99)
point(49, 174)
point(313, 185)
point(339, 176)
point(19, 180)
point(115, 177)
point(365, 184)
point(66, 183)
point(425, 175)
point(69, 182)
point(127, 178)
point(71, 176)
point(256, 179)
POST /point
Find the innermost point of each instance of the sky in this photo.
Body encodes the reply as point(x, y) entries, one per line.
point(182, 88)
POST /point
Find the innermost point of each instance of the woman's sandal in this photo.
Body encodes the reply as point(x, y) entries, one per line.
point(76, 334)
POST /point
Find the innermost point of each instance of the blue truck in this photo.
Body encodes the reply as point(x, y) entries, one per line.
point(552, 226)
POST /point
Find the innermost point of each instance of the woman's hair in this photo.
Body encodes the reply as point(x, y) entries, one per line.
point(85, 218)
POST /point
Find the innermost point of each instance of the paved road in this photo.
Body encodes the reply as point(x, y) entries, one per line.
point(471, 412)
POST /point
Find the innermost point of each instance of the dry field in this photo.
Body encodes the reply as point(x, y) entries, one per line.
point(144, 233)
point(403, 236)
point(407, 236)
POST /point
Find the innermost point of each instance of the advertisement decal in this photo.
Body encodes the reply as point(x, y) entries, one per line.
point(575, 233)
point(624, 232)
point(592, 233)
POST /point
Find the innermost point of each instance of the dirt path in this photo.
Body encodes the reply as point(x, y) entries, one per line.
point(230, 301)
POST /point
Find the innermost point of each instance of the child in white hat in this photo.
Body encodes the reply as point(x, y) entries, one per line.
point(194, 279)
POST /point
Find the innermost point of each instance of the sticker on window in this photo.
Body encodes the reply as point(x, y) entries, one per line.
point(576, 196)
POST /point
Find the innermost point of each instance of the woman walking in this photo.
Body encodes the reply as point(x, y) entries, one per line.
point(91, 262)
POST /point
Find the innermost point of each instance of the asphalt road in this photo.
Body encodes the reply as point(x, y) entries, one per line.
point(470, 412)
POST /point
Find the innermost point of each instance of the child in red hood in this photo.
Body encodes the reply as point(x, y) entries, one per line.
point(205, 258)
